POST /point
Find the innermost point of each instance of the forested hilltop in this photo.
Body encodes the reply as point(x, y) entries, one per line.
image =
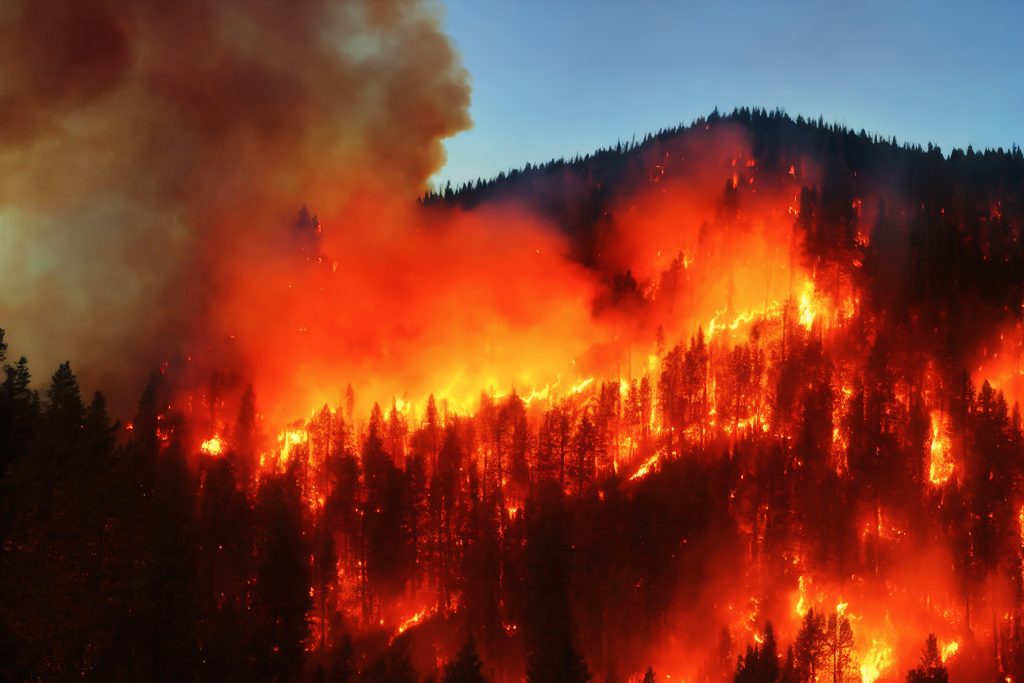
point(800, 456)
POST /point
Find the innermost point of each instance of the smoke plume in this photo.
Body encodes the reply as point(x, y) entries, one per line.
point(148, 148)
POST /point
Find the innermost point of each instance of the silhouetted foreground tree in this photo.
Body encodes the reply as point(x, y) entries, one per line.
point(466, 667)
point(931, 668)
point(760, 664)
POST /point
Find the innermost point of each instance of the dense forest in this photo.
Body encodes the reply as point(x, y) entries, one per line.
point(824, 485)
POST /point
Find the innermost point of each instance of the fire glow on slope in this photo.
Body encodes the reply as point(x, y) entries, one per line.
point(488, 314)
point(490, 302)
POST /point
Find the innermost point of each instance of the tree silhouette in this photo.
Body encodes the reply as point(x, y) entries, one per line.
point(810, 649)
point(126, 555)
point(282, 576)
point(760, 664)
point(838, 646)
point(931, 668)
point(558, 662)
point(394, 667)
point(64, 409)
point(466, 667)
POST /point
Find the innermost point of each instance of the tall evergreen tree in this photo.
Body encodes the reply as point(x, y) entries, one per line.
point(283, 576)
point(466, 667)
point(931, 669)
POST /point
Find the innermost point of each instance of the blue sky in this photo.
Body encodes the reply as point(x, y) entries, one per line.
point(562, 77)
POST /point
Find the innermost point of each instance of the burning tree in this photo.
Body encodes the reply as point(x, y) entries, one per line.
point(789, 402)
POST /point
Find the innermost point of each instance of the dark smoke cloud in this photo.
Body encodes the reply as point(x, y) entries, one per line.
point(143, 145)
point(58, 58)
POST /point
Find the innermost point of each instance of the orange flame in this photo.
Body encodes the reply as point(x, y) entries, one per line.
point(214, 446)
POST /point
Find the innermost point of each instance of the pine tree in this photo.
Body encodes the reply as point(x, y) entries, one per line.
point(809, 650)
point(760, 664)
point(282, 575)
point(466, 667)
point(838, 646)
point(557, 662)
point(931, 669)
point(64, 409)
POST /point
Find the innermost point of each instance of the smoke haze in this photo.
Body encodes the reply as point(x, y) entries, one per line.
point(146, 145)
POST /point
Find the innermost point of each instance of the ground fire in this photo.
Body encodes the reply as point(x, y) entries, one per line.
point(737, 401)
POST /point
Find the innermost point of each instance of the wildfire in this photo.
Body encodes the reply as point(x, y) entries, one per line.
point(411, 621)
point(774, 459)
point(876, 662)
point(214, 446)
point(801, 603)
point(646, 467)
point(747, 388)
point(581, 386)
point(769, 311)
point(940, 464)
point(807, 310)
point(289, 440)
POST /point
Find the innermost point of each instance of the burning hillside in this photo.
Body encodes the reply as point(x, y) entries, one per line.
point(738, 401)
